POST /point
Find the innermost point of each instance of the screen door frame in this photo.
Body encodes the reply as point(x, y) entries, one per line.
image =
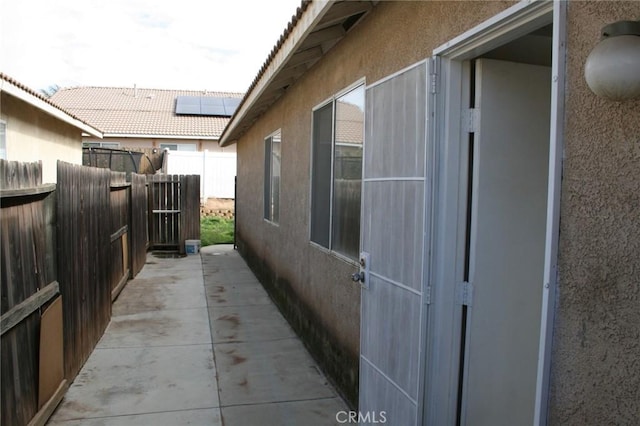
point(441, 375)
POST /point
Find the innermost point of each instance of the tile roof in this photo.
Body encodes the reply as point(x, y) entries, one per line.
point(349, 123)
point(40, 97)
point(132, 111)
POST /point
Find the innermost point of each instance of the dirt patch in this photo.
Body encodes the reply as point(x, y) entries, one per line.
point(219, 207)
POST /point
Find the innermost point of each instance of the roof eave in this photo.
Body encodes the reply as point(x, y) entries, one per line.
point(17, 92)
point(305, 25)
point(158, 136)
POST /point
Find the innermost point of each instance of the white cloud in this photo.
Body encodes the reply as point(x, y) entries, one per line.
point(189, 44)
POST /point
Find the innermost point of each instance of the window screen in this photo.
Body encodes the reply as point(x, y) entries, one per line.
point(336, 179)
point(321, 175)
point(272, 164)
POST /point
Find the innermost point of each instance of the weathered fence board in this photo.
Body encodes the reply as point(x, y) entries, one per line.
point(25, 234)
point(139, 231)
point(119, 199)
point(174, 210)
point(84, 266)
point(190, 209)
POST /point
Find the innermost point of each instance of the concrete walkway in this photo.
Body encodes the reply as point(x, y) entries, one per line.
point(196, 340)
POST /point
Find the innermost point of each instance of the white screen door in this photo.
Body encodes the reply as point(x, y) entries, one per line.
point(393, 210)
point(506, 243)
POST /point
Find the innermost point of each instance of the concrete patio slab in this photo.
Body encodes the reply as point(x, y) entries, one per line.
point(154, 364)
point(248, 323)
point(121, 382)
point(240, 276)
point(268, 371)
point(236, 294)
point(210, 416)
point(144, 295)
point(158, 328)
point(197, 340)
point(315, 412)
point(265, 374)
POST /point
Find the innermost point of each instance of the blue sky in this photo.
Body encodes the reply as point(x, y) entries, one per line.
point(171, 44)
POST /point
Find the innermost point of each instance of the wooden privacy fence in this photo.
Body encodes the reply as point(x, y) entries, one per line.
point(31, 373)
point(82, 238)
point(174, 211)
point(84, 227)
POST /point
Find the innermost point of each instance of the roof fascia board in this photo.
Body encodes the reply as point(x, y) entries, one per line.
point(24, 96)
point(153, 136)
point(311, 16)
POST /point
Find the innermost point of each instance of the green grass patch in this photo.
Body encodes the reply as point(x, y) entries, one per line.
point(216, 230)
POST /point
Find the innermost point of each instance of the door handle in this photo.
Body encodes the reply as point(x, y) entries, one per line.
point(362, 276)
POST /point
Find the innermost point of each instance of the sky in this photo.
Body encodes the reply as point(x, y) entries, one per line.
point(215, 45)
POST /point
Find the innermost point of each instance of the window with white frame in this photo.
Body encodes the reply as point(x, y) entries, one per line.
point(110, 145)
point(272, 162)
point(3, 140)
point(179, 146)
point(336, 173)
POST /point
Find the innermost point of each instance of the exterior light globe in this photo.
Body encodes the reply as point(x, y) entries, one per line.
point(612, 69)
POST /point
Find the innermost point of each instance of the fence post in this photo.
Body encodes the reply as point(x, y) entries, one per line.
point(203, 179)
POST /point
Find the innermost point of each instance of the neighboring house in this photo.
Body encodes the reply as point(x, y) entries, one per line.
point(495, 199)
point(179, 120)
point(32, 128)
point(185, 122)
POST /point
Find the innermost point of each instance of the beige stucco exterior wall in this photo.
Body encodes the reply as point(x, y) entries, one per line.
point(596, 345)
point(320, 280)
point(33, 135)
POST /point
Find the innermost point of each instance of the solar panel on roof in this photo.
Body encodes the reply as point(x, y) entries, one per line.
point(207, 100)
point(211, 106)
point(212, 109)
point(206, 105)
point(231, 105)
point(188, 105)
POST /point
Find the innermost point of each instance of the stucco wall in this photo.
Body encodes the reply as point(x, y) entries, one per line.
point(327, 310)
point(33, 135)
point(596, 346)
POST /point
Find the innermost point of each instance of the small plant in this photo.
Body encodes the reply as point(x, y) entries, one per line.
point(216, 230)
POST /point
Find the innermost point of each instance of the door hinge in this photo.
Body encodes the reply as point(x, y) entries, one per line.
point(470, 119)
point(427, 295)
point(434, 74)
point(465, 294)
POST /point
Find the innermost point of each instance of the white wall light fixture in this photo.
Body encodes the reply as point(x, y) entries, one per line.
point(612, 69)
